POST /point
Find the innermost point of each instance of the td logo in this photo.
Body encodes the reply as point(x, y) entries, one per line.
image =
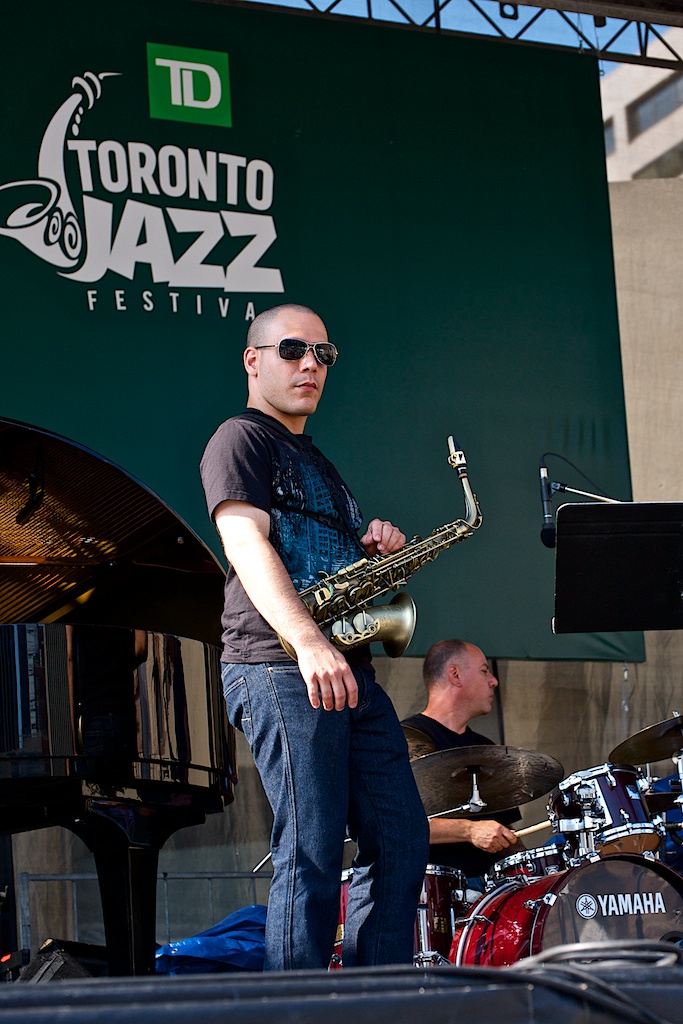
point(188, 85)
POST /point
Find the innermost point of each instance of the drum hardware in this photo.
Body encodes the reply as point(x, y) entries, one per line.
point(269, 855)
point(581, 857)
point(548, 900)
point(422, 927)
point(475, 804)
point(580, 838)
point(430, 960)
point(469, 922)
point(425, 933)
point(464, 780)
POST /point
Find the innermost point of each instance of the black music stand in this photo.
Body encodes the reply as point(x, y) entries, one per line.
point(618, 567)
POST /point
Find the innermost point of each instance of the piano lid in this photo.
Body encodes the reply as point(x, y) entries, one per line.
point(81, 540)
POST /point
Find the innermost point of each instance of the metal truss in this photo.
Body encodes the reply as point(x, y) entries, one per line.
point(584, 27)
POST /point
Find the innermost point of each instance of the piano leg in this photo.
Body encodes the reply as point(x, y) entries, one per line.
point(125, 840)
point(127, 877)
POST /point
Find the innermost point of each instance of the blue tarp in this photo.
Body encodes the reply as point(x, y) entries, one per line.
point(237, 943)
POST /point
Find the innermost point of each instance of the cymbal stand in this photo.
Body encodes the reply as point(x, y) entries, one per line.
point(678, 761)
point(269, 856)
point(426, 957)
point(475, 804)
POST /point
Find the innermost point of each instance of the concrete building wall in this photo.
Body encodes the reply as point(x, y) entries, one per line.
point(619, 88)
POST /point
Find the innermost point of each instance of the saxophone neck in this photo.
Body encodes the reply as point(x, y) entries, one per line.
point(472, 511)
point(457, 460)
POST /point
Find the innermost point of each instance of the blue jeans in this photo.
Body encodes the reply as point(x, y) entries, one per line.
point(324, 771)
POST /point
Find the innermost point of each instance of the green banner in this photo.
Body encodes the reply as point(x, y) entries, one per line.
point(171, 168)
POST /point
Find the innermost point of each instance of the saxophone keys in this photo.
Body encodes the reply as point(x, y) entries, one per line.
point(364, 624)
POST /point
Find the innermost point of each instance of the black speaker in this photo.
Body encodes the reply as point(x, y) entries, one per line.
point(59, 959)
point(633, 994)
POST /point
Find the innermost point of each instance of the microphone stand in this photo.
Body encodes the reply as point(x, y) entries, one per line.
point(556, 487)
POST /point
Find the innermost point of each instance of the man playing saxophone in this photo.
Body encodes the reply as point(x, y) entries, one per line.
point(324, 735)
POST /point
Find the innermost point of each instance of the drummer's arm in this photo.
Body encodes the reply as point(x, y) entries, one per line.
point(486, 835)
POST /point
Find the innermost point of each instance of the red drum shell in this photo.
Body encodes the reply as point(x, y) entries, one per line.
point(615, 898)
point(441, 901)
point(336, 961)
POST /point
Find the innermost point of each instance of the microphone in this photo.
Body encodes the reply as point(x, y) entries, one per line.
point(548, 528)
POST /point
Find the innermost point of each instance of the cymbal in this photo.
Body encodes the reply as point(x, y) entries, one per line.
point(658, 801)
point(655, 743)
point(506, 776)
point(419, 743)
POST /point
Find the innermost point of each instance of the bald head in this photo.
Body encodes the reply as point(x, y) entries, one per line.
point(460, 683)
point(259, 327)
point(439, 657)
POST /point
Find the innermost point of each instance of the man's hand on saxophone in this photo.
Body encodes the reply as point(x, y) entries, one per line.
point(244, 531)
point(382, 537)
point(324, 668)
point(342, 603)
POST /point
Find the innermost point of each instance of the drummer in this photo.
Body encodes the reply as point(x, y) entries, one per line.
point(460, 686)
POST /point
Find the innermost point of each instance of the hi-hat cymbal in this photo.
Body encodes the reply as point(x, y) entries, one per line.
point(659, 801)
point(655, 743)
point(506, 776)
point(419, 743)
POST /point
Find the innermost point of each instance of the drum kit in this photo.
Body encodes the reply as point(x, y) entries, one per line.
point(600, 877)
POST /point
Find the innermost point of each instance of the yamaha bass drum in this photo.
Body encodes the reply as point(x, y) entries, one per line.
point(618, 897)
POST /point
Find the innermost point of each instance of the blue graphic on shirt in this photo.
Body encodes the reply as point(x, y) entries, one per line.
point(306, 545)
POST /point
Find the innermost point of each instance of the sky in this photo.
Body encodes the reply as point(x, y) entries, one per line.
point(488, 18)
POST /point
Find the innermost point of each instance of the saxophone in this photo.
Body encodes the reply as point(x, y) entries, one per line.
point(339, 602)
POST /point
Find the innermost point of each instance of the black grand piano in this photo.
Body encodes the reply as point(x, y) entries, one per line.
point(112, 721)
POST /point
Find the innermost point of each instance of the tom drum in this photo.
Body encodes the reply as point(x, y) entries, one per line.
point(601, 810)
point(545, 860)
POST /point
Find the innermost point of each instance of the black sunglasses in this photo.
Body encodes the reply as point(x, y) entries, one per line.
point(293, 349)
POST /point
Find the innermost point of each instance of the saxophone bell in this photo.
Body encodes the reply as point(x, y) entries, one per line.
point(391, 624)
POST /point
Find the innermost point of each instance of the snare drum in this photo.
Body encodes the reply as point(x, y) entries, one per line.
point(545, 860)
point(618, 898)
point(600, 810)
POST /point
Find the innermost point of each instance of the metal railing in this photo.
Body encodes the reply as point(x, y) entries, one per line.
point(620, 32)
point(26, 879)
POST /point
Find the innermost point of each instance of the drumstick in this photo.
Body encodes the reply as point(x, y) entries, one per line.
point(532, 828)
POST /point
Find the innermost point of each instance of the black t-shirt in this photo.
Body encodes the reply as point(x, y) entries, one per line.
point(313, 518)
point(464, 856)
